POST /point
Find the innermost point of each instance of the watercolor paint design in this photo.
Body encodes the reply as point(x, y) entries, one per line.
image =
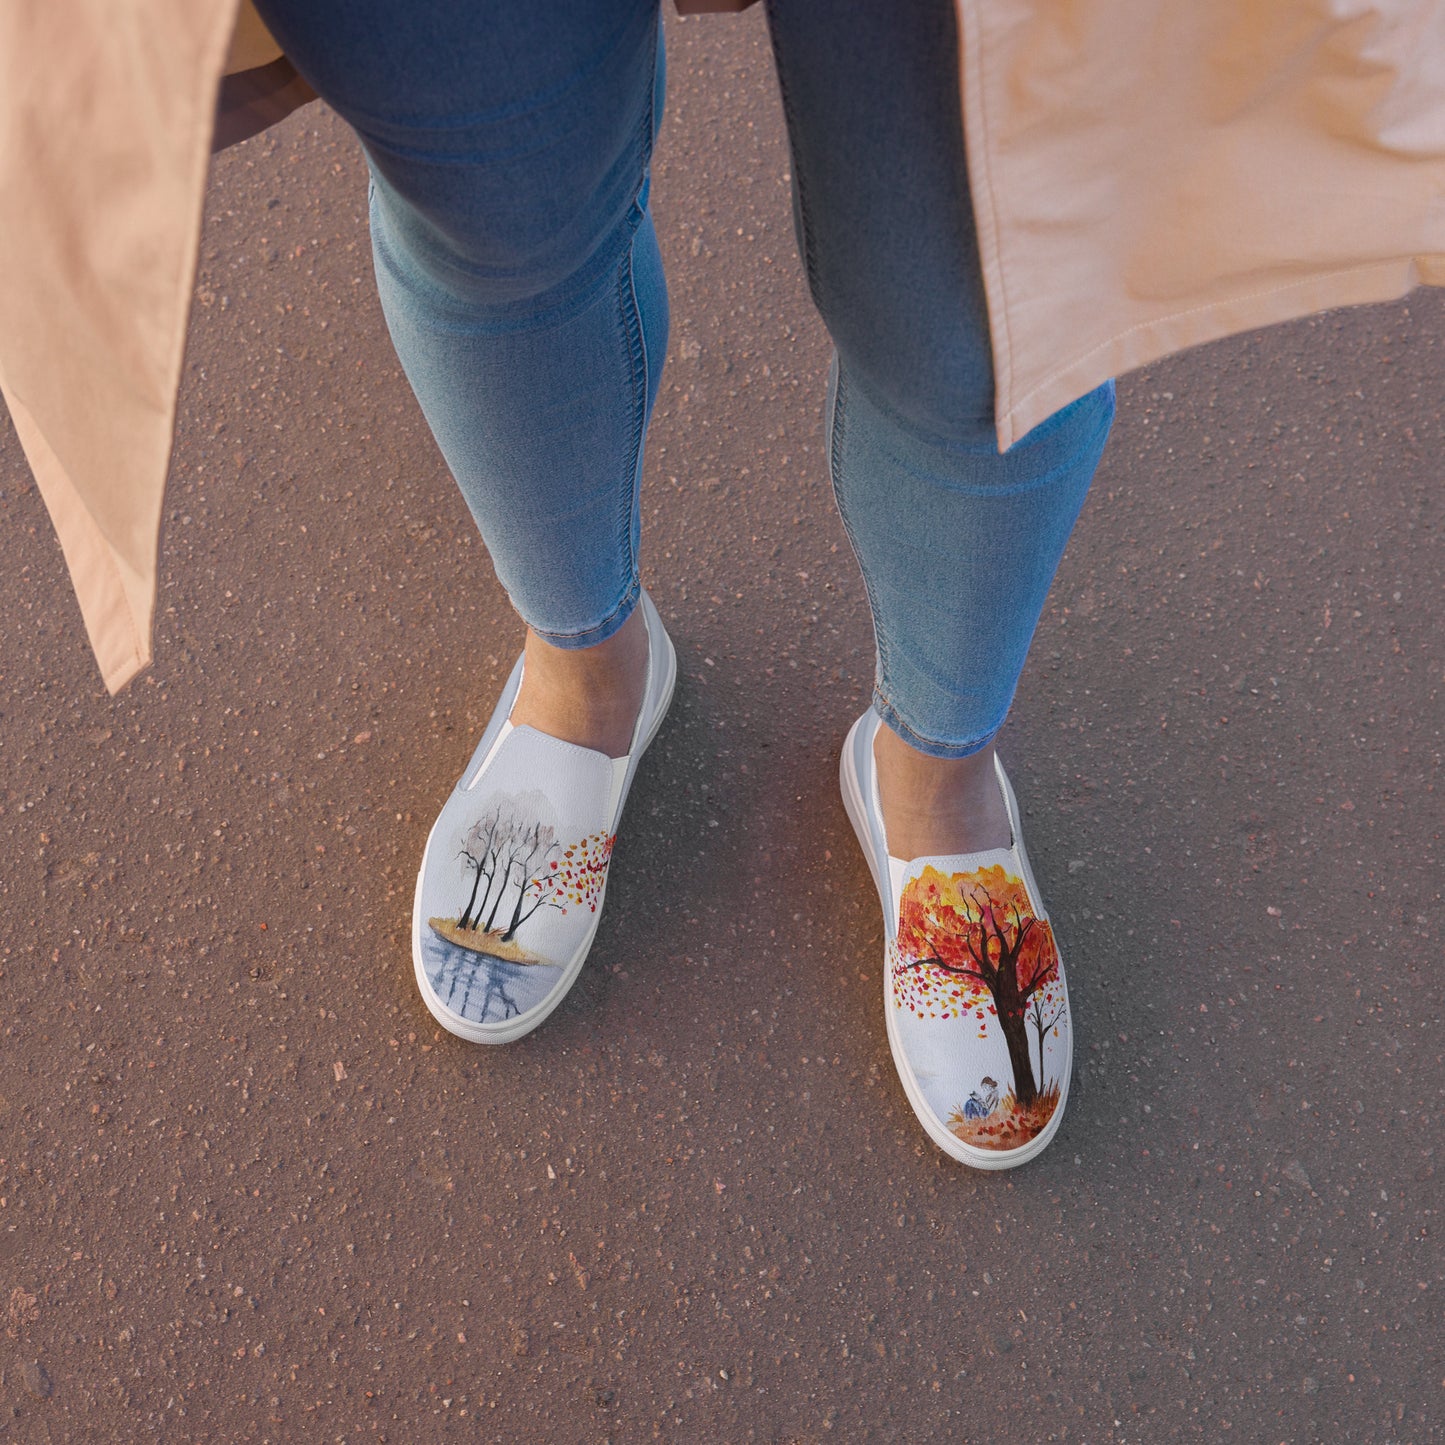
point(971, 954)
point(514, 874)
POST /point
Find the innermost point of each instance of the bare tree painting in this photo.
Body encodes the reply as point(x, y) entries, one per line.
point(513, 868)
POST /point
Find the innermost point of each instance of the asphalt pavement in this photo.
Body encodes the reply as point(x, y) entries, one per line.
point(248, 1191)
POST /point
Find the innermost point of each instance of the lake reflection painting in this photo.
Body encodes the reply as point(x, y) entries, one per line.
point(481, 988)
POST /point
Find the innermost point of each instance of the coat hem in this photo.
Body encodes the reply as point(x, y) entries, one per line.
point(119, 638)
point(1162, 336)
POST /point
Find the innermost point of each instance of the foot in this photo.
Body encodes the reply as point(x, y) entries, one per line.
point(589, 696)
point(983, 1050)
point(934, 806)
point(512, 882)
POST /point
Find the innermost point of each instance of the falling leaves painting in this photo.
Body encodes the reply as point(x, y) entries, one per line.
point(972, 954)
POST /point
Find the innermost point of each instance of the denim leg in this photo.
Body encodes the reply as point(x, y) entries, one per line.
point(517, 264)
point(957, 542)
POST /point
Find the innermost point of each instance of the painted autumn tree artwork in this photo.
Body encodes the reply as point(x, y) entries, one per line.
point(515, 868)
point(971, 949)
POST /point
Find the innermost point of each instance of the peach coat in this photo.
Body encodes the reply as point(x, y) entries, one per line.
point(1146, 175)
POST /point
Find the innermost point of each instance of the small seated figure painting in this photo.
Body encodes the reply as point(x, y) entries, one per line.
point(983, 1101)
point(980, 997)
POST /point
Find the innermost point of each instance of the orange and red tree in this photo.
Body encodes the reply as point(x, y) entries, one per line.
point(970, 941)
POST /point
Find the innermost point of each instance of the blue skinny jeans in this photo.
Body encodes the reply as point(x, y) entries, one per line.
point(509, 145)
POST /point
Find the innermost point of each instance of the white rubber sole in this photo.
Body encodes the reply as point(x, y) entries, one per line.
point(855, 777)
point(661, 679)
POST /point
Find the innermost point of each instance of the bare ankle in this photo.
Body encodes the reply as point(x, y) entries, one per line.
point(590, 696)
point(938, 805)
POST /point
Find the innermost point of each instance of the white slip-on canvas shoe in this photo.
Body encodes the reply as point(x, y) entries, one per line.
point(511, 885)
point(973, 985)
